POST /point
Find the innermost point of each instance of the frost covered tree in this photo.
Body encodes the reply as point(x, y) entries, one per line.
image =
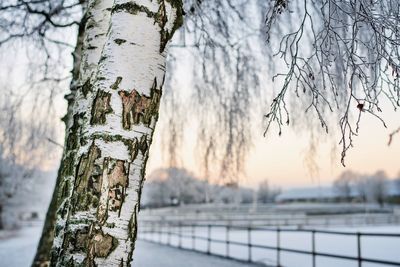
point(113, 118)
point(342, 57)
point(117, 81)
point(266, 193)
point(173, 186)
point(345, 183)
point(22, 147)
point(378, 187)
point(373, 188)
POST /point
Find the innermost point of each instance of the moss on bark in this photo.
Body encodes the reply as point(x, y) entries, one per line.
point(42, 257)
point(98, 180)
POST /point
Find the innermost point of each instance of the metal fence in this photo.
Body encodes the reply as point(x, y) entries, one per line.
point(185, 236)
point(282, 220)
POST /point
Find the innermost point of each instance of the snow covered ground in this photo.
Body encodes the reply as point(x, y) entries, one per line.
point(153, 255)
point(381, 248)
point(17, 249)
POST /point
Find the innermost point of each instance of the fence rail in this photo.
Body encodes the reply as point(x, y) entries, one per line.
point(282, 219)
point(187, 235)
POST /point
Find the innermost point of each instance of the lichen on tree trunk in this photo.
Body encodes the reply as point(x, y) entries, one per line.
point(42, 256)
point(115, 113)
point(90, 41)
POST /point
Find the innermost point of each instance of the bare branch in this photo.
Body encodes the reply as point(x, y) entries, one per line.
point(342, 55)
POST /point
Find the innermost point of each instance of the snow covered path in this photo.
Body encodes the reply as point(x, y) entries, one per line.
point(18, 248)
point(171, 257)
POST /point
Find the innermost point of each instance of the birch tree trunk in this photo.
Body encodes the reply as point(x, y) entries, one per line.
point(114, 116)
point(90, 41)
point(42, 256)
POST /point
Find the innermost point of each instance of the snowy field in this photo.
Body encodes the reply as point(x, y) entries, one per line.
point(17, 249)
point(372, 247)
point(144, 256)
point(290, 214)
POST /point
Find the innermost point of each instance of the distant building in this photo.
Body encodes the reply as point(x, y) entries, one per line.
point(329, 194)
point(308, 194)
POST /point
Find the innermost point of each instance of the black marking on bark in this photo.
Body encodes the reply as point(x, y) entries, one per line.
point(67, 165)
point(115, 85)
point(102, 58)
point(132, 231)
point(133, 9)
point(80, 239)
point(133, 144)
point(98, 35)
point(65, 189)
point(161, 19)
point(88, 180)
point(86, 87)
point(119, 41)
point(90, 25)
point(72, 141)
point(101, 107)
point(110, 225)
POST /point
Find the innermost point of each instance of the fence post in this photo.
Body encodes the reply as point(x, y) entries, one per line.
point(313, 247)
point(169, 234)
point(159, 232)
point(359, 249)
point(208, 239)
point(152, 231)
point(278, 248)
point(249, 242)
point(227, 240)
point(180, 234)
point(193, 234)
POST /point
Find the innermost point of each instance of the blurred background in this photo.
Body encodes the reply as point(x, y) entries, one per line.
point(216, 182)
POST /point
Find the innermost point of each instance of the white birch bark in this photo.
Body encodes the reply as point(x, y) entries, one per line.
point(118, 108)
point(97, 19)
point(93, 29)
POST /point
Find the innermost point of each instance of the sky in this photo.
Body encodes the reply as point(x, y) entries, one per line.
point(300, 157)
point(285, 160)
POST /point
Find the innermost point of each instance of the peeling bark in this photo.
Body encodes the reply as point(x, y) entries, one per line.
point(42, 256)
point(101, 107)
point(92, 32)
point(116, 112)
point(138, 108)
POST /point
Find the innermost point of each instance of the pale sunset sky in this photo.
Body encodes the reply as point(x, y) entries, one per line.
point(282, 160)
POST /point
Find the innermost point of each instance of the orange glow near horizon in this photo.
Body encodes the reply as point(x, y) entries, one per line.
point(283, 160)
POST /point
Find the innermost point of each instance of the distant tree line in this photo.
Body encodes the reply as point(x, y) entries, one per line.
point(11, 177)
point(176, 186)
point(371, 188)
